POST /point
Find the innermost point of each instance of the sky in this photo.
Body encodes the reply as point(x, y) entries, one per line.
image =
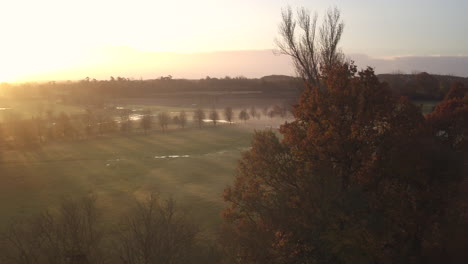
point(73, 39)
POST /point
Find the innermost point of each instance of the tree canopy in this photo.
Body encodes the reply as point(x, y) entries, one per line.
point(357, 178)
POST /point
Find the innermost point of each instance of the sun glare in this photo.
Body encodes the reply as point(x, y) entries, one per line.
point(40, 62)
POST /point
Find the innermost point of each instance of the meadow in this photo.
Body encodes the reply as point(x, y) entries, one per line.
point(191, 165)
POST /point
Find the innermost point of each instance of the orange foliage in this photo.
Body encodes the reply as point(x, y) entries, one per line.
point(359, 177)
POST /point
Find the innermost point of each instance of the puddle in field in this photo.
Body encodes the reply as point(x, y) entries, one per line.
point(136, 117)
point(115, 162)
point(222, 121)
point(171, 156)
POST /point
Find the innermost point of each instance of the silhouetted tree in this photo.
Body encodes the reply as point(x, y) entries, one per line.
point(40, 128)
point(228, 114)
point(71, 235)
point(156, 232)
point(311, 51)
point(2, 138)
point(125, 120)
point(182, 119)
point(243, 115)
point(146, 121)
point(64, 126)
point(253, 112)
point(163, 119)
point(50, 126)
point(176, 120)
point(198, 117)
point(25, 134)
point(214, 116)
point(89, 122)
point(265, 110)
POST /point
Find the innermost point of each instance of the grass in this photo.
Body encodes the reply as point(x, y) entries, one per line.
point(426, 106)
point(32, 107)
point(120, 169)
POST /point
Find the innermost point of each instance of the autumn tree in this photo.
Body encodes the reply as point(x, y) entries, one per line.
point(357, 178)
point(457, 91)
point(228, 114)
point(244, 115)
point(449, 120)
point(214, 116)
point(198, 117)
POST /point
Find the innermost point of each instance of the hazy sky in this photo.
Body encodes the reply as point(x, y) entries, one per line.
point(72, 39)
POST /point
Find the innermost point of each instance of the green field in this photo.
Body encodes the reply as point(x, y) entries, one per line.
point(34, 107)
point(426, 106)
point(119, 169)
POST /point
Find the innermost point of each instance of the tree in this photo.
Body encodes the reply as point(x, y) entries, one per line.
point(243, 115)
point(198, 117)
point(163, 118)
point(50, 124)
point(182, 119)
point(265, 110)
point(449, 120)
point(146, 121)
point(214, 116)
point(253, 112)
point(228, 114)
point(458, 90)
point(71, 235)
point(2, 137)
point(310, 51)
point(64, 125)
point(89, 121)
point(125, 120)
point(176, 120)
point(39, 123)
point(357, 178)
point(156, 232)
point(152, 231)
point(25, 133)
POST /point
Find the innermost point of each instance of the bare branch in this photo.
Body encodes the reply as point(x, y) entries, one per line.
point(310, 55)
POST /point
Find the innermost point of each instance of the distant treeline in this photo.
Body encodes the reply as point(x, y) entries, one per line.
point(421, 86)
point(91, 90)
